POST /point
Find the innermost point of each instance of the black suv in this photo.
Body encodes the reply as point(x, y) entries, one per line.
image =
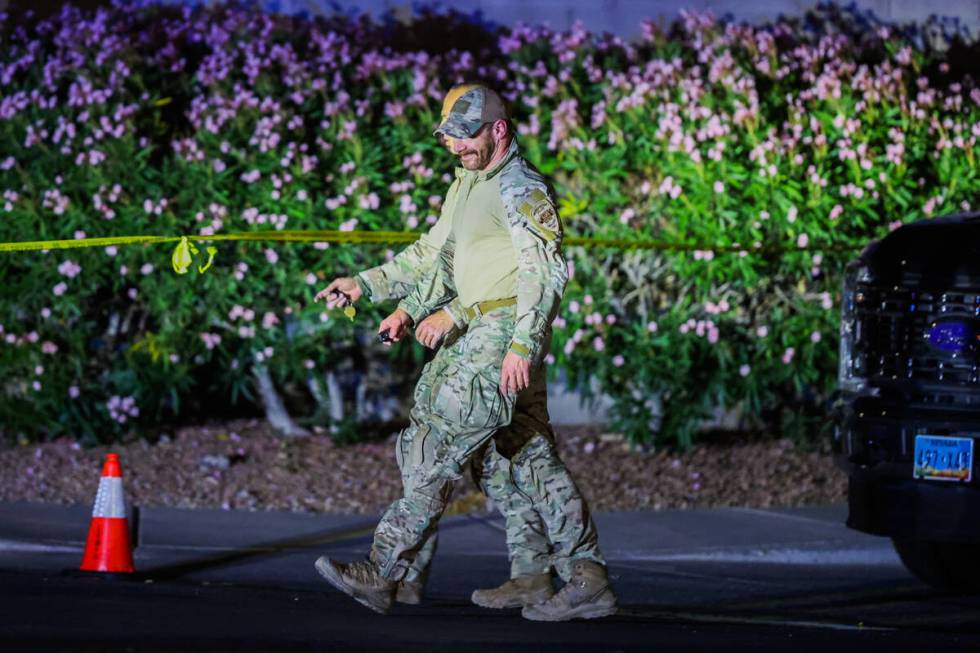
point(907, 412)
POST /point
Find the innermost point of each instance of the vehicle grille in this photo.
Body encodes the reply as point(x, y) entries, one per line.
point(892, 332)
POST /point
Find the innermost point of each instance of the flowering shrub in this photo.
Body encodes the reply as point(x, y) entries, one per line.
point(756, 147)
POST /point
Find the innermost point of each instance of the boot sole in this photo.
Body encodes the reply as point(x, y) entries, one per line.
point(330, 574)
point(534, 600)
point(578, 613)
point(408, 600)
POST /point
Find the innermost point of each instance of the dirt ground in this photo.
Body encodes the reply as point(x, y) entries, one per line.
point(243, 465)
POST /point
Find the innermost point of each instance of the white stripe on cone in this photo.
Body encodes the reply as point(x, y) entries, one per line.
point(109, 500)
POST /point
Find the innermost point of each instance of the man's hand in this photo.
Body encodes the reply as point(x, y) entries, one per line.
point(396, 325)
point(515, 375)
point(434, 328)
point(340, 292)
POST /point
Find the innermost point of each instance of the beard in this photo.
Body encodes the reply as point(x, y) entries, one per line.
point(479, 156)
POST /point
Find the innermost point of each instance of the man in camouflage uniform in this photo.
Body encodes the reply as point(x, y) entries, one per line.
point(493, 290)
point(527, 541)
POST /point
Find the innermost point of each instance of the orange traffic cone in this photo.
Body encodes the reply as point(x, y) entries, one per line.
point(108, 547)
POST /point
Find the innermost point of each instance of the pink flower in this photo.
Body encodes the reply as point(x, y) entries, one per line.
point(48, 347)
point(60, 289)
point(73, 391)
point(744, 370)
point(762, 331)
point(618, 360)
point(719, 187)
point(310, 279)
point(802, 241)
point(627, 215)
point(788, 355)
point(598, 343)
point(70, 269)
point(573, 306)
point(815, 337)
point(652, 327)
point(271, 256)
point(146, 269)
point(122, 408)
point(269, 320)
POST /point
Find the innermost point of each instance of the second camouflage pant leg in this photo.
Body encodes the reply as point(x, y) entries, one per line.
point(527, 538)
point(540, 474)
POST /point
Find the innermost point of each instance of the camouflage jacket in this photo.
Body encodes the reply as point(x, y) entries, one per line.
point(502, 239)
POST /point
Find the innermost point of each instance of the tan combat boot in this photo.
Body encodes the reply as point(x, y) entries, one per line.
point(409, 592)
point(516, 593)
point(359, 580)
point(586, 596)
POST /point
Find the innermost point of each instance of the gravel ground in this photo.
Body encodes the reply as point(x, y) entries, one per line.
point(243, 465)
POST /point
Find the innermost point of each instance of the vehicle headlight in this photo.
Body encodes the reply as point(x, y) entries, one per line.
point(851, 367)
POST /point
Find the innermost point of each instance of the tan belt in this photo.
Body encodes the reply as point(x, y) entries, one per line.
point(480, 308)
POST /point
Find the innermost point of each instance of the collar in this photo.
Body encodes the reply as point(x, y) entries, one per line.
point(483, 175)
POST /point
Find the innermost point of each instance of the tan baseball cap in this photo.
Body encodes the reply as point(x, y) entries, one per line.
point(467, 108)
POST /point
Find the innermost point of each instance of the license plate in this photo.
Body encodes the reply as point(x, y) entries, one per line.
point(939, 458)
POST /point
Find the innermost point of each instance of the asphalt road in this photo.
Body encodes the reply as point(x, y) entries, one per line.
point(687, 580)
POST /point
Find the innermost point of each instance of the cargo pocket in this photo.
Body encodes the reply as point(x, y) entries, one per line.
point(471, 401)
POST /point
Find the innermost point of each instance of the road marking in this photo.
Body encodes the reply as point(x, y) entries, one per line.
point(787, 516)
point(38, 547)
point(754, 621)
point(885, 557)
point(713, 577)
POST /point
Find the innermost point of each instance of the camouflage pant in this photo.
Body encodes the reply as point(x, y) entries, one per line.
point(461, 418)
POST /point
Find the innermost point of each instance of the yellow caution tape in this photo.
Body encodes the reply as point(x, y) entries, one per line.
point(185, 251)
point(397, 238)
point(182, 256)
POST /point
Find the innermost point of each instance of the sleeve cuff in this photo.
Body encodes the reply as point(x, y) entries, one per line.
point(372, 284)
point(455, 310)
point(414, 311)
point(521, 350)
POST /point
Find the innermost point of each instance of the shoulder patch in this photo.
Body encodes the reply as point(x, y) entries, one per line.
point(527, 200)
point(544, 215)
